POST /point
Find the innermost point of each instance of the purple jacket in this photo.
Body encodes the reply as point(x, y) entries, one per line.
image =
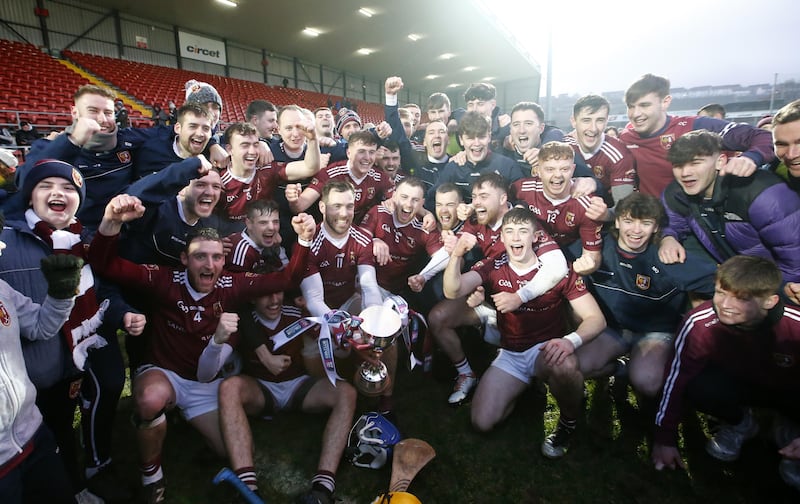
point(757, 215)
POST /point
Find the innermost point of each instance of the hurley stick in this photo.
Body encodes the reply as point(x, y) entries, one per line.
point(410, 456)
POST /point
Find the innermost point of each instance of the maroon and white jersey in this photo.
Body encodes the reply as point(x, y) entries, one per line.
point(491, 245)
point(372, 189)
point(767, 357)
point(237, 192)
point(245, 255)
point(410, 246)
point(338, 264)
point(537, 320)
point(612, 163)
point(183, 320)
point(565, 220)
point(260, 332)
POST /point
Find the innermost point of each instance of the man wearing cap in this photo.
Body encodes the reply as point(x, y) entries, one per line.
point(205, 94)
point(121, 115)
point(347, 123)
point(54, 190)
point(26, 134)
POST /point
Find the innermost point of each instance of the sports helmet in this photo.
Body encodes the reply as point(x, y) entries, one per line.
point(371, 440)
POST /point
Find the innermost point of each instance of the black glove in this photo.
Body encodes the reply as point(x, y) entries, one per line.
point(63, 275)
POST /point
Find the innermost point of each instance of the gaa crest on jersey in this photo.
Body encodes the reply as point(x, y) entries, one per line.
point(411, 241)
point(370, 192)
point(783, 360)
point(218, 311)
point(667, 140)
point(569, 219)
point(580, 284)
point(642, 281)
point(124, 156)
point(598, 171)
point(5, 317)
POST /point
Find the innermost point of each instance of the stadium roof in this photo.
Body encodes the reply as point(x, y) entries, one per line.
point(460, 28)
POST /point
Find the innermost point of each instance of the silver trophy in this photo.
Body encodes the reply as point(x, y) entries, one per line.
point(380, 327)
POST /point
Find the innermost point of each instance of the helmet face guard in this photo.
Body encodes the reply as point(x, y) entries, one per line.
point(371, 440)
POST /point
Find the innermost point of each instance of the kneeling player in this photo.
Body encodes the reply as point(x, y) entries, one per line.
point(532, 337)
point(273, 381)
point(642, 298)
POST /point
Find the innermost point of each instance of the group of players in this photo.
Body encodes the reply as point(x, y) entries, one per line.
point(219, 254)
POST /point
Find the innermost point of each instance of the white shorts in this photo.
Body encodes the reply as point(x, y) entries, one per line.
point(520, 365)
point(488, 317)
point(193, 398)
point(283, 393)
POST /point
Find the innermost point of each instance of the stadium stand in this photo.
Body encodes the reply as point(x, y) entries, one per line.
point(154, 84)
point(38, 88)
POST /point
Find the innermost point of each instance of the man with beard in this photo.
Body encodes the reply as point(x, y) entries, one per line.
point(189, 305)
point(190, 137)
point(388, 161)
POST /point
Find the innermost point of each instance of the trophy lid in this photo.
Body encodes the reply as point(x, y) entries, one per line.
point(380, 321)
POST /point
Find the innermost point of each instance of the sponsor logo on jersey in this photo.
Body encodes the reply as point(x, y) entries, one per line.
point(783, 360)
point(667, 140)
point(642, 281)
point(732, 217)
point(124, 156)
point(5, 317)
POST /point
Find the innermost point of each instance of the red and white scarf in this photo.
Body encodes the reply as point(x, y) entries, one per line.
point(80, 330)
